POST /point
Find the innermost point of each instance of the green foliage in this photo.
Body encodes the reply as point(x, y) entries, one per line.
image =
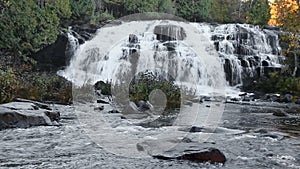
point(193, 10)
point(102, 16)
point(62, 8)
point(259, 12)
point(288, 19)
point(228, 11)
point(141, 88)
point(138, 6)
point(279, 83)
point(166, 6)
point(34, 86)
point(81, 8)
point(8, 84)
point(43, 87)
point(26, 28)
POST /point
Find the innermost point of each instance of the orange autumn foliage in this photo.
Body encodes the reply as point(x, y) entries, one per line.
point(279, 8)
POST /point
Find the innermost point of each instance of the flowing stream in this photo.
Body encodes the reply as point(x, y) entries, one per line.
point(248, 140)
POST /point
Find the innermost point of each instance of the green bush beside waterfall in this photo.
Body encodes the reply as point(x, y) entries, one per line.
point(143, 87)
point(35, 86)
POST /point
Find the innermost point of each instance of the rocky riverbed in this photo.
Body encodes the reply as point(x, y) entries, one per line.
point(250, 135)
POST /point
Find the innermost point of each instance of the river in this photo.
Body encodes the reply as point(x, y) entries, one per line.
point(248, 138)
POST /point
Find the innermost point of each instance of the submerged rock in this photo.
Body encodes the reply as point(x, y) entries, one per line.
point(26, 114)
point(211, 155)
point(279, 113)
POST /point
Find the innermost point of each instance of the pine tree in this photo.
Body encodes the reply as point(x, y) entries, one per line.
point(259, 12)
point(193, 10)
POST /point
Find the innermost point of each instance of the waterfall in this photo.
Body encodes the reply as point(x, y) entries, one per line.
point(198, 56)
point(246, 50)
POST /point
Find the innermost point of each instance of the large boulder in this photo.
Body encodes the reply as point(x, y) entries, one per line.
point(169, 32)
point(211, 155)
point(26, 114)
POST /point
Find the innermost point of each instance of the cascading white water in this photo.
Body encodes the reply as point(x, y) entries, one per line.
point(245, 48)
point(192, 62)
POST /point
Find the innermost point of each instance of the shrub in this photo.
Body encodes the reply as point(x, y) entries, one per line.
point(44, 87)
point(279, 83)
point(8, 84)
point(144, 84)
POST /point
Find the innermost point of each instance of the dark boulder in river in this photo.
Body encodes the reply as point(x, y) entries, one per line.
point(211, 155)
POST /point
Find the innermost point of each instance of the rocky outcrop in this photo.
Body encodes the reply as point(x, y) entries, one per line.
point(53, 57)
point(211, 155)
point(27, 114)
point(57, 55)
point(169, 32)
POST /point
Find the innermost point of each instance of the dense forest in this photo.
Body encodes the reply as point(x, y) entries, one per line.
point(29, 25)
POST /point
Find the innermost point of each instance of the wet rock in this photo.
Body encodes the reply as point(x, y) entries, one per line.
point(192, 129)
point(271, 136)
point(287, 98)
point(195, 129)
point(293, 110)
point(103, 88)
point(276, 28)
point(206, 98)
point(143, 105)
point(218, 37)
point(186, 140)
point(271, 97)
point(102, 101)
point(279, 113)
point(169, 32)
point(133, 38)
point(99, 108)
point(297, 101)
point(262, 131)
point(53, 57)
point(159, 122)
point(26, 114)
point(54, 116)
point(171, 46)
point(139, 147)
point(243, 94)
point(114, 111)
point(211, 155)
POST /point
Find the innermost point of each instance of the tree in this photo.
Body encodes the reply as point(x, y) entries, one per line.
point(227, 11)
point(193, 10)
point(138, 6)
point(26, 28)
point(166, 6)
point(259, 12)
point(286, 15)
